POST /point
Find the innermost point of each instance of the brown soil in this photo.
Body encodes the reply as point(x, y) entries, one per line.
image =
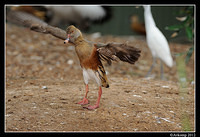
point(44, 81)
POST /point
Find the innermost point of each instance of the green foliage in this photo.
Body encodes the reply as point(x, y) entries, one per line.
point(189, 54)
point(187, 24)
point(175, 27)
point(189, 32)
point(186, 18)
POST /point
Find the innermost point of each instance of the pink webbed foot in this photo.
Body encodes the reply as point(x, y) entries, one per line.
point(91, 107)
point(83, 102)
point(97, 103)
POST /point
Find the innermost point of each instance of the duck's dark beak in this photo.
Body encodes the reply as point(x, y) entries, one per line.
point(67, 39)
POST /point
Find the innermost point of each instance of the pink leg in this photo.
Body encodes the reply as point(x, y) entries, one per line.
point(98, 101)
point(85, 100)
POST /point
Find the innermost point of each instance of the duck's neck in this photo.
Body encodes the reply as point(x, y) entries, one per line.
point(83, 49)
point(79, 41)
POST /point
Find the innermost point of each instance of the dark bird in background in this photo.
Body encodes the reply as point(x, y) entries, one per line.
point(38, 11)
point(89, 53)
point(137, 26)
point(82, 16)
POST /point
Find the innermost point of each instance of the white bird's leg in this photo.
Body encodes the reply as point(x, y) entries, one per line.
point(151, 68)
point(161, 71)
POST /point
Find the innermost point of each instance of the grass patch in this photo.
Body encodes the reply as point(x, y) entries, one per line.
point(181, 70)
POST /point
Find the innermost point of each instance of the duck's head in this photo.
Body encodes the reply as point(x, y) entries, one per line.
point(72, 34)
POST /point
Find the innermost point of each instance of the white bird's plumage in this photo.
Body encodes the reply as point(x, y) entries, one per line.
point(92, 12)
point(156, 41)
point(76, 13)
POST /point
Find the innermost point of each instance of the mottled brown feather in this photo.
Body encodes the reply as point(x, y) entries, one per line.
point(117, 51)
point(93, 61)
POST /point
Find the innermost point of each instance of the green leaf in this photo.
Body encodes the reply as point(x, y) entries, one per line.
point(174, 27)
point(189, 54)
point(189, 32)
point(179, 54)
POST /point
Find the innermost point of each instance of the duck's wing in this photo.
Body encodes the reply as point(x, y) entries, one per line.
point(35, 24)
point(118, 51)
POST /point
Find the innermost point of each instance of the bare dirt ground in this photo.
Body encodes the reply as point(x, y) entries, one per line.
point(44, 82)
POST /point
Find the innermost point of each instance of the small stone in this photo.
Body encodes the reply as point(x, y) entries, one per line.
point(145, 92)
point(96, 35)
point(70, 62)
point(165, 86)
point(137, 96)
point(44, 87)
